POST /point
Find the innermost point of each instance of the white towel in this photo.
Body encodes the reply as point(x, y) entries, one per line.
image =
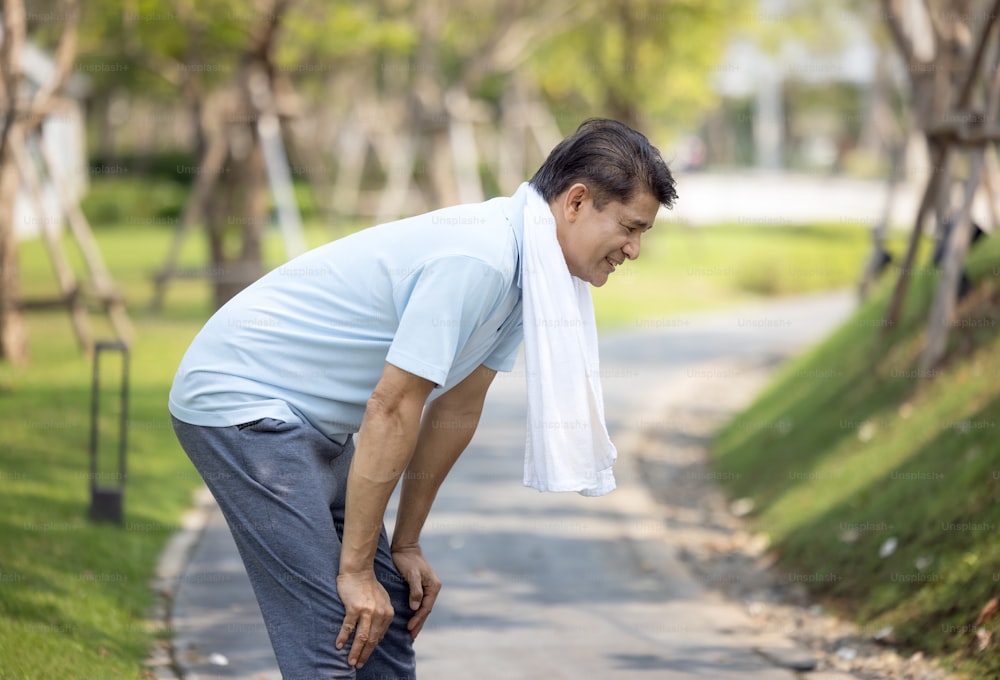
point(568, 448)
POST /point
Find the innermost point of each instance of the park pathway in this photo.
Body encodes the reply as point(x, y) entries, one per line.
point(549, 586)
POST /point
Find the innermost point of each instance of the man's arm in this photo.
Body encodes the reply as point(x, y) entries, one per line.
point(448, 425)
point(385, 445)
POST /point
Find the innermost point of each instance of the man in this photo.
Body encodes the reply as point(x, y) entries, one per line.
point(354, 338)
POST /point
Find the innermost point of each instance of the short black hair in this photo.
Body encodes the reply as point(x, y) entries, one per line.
point(612, 160)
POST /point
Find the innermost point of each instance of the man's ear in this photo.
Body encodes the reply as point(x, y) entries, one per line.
point(574, 199)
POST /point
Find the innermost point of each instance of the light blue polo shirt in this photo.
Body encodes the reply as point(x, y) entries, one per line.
point(436, 295)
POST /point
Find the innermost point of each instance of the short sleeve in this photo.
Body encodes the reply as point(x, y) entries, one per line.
point(440, 306)
point(503, 357)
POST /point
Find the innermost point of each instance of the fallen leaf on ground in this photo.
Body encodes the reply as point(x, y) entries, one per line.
point(988, 611)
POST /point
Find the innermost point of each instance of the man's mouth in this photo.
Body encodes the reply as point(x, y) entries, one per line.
point(614, 265)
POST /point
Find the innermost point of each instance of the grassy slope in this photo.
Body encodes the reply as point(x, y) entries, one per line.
point(851, 446)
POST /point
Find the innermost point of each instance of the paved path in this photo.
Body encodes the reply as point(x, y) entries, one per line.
point(547, 585)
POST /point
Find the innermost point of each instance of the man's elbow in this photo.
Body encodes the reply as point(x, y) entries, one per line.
point(388, 413)
point(398, 398)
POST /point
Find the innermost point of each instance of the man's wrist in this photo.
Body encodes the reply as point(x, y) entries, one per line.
point(355, 567)
point(407, 545)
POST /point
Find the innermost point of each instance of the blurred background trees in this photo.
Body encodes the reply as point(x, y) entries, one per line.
point(376, 109)
point(411, 79)
point(396, 84)
point(719, 70)
point(256, 114)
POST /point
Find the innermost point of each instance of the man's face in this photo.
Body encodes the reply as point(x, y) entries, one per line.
point(595, 242)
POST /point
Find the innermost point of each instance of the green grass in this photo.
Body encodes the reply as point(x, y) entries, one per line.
point(687, 269)
point(74, 595)
point(852, 446)
point(680, 270)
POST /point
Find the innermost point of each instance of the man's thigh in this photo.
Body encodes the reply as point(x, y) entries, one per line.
point(281, 487)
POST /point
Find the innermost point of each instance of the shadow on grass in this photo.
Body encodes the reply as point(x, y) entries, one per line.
point(814, 404)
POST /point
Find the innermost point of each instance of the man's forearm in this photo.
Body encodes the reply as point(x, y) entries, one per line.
point(444, 434)
point(385, 446)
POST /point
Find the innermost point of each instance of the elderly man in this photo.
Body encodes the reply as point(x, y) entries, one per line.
point(391, 337)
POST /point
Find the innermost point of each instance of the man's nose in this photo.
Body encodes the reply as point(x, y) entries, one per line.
point(632, 246)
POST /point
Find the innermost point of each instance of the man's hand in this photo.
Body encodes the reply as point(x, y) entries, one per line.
point(424, 584)
point(384, 447)
point(369, 613)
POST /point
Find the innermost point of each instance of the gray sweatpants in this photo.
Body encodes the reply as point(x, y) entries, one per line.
point(281, 487)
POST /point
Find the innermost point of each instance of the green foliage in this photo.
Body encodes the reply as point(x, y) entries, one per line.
point(653, 57)
point(155, 193)
point(159, 45)
point(647, 62)
point(323, 36)
point(134, 201)
point(153, 46)
point(852, 446)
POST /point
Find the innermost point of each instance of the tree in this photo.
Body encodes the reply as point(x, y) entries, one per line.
point(22, 112)
point(646, 62)
point(443, 95)
point(955, 104)
point(232, 66)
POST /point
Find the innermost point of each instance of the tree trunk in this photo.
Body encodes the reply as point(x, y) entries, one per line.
point(991, 188)
point(938, 154)
point(236, 214)
point(13, 335)
point(13, 340)
point(876, 260)
point(956, 249)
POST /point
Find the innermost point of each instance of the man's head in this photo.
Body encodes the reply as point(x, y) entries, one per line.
point(612, 159)
point(604, 184)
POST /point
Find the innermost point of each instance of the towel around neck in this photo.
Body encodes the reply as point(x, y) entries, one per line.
point(568, 447)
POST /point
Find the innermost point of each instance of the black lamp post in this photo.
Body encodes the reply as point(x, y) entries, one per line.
point(106, 500)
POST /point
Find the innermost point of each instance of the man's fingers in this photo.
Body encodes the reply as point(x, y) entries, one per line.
point(416, 589)
point(362, 636)
point(368, 613)
point(346, 629)
point(416, 623)
point(370, 632)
